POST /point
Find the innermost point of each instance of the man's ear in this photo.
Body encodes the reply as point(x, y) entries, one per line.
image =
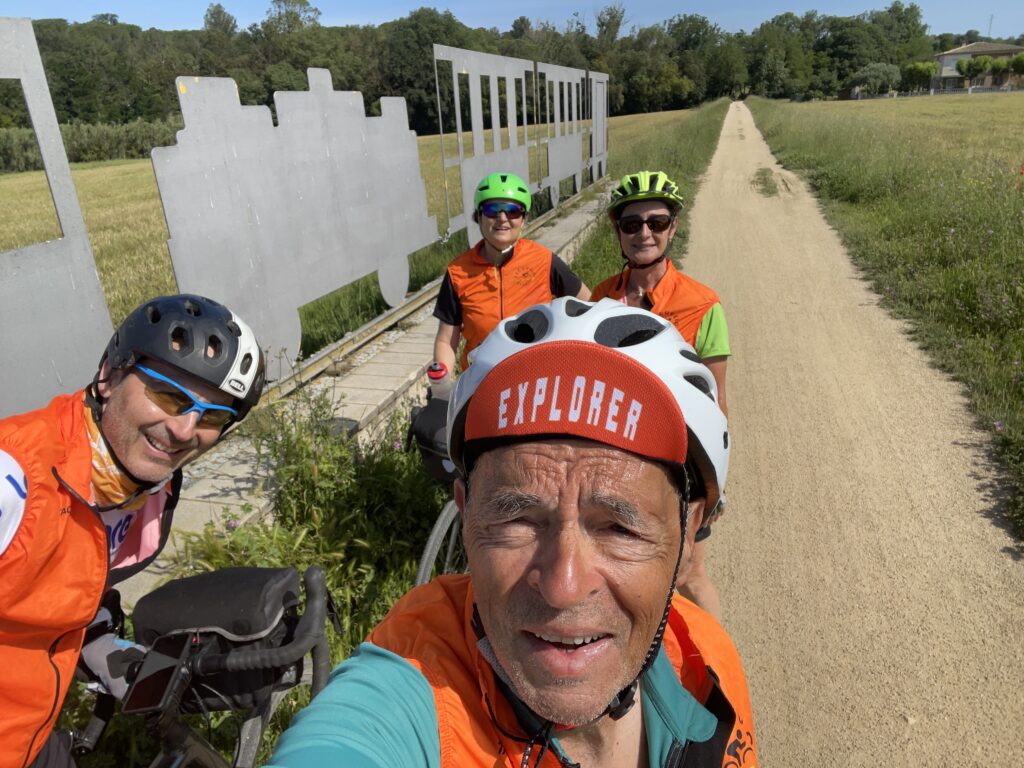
point(694, 519)
point(107, 380)
point(460, 494)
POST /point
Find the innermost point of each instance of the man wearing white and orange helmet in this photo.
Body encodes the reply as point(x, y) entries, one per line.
point(590, 446)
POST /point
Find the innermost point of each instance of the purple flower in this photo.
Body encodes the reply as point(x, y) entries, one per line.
point(999, 425)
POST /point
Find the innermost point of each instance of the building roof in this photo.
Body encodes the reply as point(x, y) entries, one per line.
point(986, 49)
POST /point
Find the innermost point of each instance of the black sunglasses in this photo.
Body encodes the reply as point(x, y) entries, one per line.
point(630, 225)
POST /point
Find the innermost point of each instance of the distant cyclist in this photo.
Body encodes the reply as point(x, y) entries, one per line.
point(643, 210)
point(588, 449)
point(501, 275)
point(88, 486)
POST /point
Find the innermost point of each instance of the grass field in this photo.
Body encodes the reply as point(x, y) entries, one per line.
point(928, 196)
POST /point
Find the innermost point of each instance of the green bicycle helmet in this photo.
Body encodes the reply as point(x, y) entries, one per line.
point(644, 185)
point(505, 186)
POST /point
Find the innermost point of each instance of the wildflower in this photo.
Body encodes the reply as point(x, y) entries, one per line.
point(999, 425)
point(232, 524)
point(952, 231)
point(397, 445)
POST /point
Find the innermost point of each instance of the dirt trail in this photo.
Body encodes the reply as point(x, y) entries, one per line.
point(866, 578)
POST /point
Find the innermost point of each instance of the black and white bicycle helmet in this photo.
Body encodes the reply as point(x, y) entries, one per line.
point(196, 335)
point(679, 422)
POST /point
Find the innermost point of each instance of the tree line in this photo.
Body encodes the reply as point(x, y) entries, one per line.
point(103, 71)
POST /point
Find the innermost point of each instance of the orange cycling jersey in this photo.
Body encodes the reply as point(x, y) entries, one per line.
point(421, 691)
point(677, 297)
point(55, 569)
point(476, 294)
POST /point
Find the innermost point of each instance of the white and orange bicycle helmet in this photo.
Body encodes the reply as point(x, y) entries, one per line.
point(606, 372)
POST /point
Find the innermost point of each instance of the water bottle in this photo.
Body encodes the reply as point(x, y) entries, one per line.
point(440, 382)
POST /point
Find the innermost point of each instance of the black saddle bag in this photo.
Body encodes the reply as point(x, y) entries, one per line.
point(429, 430)
point(228, 609)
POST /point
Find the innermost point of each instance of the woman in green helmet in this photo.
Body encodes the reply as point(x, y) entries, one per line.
point(498, 277)
point(643, 210)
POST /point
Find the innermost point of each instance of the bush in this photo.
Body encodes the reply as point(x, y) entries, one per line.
point(87, 142)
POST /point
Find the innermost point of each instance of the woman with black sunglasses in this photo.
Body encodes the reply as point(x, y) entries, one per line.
point(643, 211)
point(500, 276)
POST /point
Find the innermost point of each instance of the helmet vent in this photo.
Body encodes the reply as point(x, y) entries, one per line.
point(627, 330)
point(575, 308)
point(693, 357)
point(233, 327)
point(246, 364)
point(214, 347)
point(700, 383)
point(193, 309)
point(152, 314)
point(181, 340)
point(529, 327)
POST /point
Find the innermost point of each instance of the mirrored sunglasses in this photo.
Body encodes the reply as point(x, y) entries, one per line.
point(511, 210)
point(630, 225)
point(179, 401)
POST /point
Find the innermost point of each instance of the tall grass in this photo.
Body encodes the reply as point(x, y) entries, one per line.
point(928, 196)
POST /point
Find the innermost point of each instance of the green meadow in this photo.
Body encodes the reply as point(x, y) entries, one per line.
point(928, 196)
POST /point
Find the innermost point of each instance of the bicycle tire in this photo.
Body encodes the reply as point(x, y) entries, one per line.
point(445, 527)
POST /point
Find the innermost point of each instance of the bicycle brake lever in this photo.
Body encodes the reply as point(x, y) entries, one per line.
point(332, 613)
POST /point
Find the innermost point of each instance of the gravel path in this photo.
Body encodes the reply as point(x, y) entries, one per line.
point(866, 575)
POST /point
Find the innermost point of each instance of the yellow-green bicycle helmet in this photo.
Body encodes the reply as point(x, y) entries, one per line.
point(644, 185)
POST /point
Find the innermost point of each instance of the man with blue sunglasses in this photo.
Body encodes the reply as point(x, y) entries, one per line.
point(88, 486)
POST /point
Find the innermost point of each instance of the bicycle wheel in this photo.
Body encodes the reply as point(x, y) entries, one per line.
point(444, 546)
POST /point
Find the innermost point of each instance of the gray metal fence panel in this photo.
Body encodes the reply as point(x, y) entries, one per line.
point(54, 323)
point(269, 217)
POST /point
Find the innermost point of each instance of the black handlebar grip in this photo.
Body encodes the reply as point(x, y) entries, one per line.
point(308, 632)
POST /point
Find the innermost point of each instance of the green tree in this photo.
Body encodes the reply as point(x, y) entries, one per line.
point(219, 20)
point(877, 77)
point(1000, 69)
point(1017, 64)
point(975, 67)
point(727, 70)
point(918, 75)
point(287, 16)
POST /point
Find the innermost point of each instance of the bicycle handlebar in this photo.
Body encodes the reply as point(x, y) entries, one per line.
point(309, 635)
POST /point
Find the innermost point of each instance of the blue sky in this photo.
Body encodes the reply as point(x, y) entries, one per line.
point(946, 16)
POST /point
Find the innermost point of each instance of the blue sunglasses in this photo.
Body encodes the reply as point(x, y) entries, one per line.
point(512, 211)
point(184, 402)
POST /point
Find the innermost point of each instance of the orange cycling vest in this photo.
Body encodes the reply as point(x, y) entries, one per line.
point(432, 628)
point(489, 294)
point(53, 574)
point(677, 297)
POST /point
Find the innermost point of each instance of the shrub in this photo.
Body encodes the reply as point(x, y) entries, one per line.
point(87, 142)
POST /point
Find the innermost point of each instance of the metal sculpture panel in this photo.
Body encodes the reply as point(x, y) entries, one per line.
point(556, 102)
point(515, 158)
point(53, 318)
point(269, 218)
